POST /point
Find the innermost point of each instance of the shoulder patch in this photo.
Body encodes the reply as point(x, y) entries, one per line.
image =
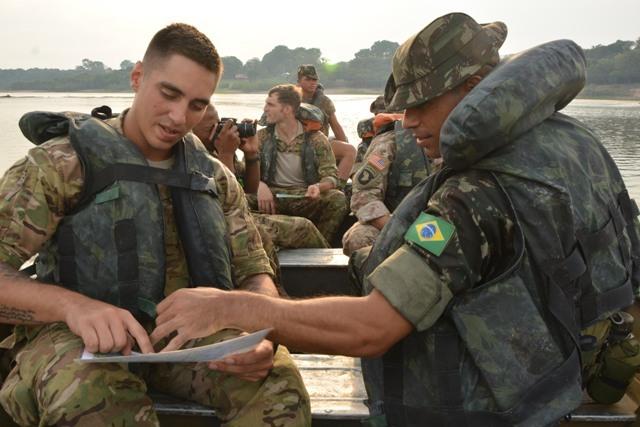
point(430, 232)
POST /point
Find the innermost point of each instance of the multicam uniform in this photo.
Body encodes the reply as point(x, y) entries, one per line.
point(47, 387)
point(326, 212)
point(371, 182)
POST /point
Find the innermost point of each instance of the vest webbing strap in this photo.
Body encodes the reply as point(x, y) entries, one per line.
point(447, 366)
point(593, 305)
point(141, 173)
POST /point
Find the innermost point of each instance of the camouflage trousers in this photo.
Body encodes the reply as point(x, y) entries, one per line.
point(290, 232)
point(326, 212)
point(48, 387)
point(358, 236)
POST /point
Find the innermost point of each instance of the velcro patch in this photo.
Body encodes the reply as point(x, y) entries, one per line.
point(378, 162)
point(108, 195)
point(430, 232)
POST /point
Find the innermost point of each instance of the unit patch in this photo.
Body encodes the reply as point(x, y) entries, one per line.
point(365, 175)
point(430, 232)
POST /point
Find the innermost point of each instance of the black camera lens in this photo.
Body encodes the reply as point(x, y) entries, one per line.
point(246, 129)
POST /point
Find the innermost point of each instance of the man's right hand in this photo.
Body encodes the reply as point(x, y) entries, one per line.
point(228, 139)
point(105, 328)
point(266, 202)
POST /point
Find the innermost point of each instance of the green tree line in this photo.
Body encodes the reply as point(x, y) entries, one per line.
point(616, 63)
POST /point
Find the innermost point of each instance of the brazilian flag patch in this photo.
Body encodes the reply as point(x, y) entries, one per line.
point(430, 233)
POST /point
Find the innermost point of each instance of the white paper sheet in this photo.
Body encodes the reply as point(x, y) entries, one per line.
point(198, 354)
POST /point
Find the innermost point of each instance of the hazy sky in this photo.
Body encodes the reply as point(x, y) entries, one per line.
point(60, 33)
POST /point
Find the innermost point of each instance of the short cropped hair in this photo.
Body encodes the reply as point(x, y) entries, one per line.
point(185, 40)
point(288, 95)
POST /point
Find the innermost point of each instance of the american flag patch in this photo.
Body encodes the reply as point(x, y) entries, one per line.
point(378, 162)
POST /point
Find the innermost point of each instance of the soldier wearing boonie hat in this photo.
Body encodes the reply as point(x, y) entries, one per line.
point(313, 93)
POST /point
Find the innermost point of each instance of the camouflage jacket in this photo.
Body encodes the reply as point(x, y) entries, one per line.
point(392, 165)
point(324, 161)
point(38, 191)
point(497, 316)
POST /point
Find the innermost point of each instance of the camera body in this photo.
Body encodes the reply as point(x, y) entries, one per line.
point(245, 129)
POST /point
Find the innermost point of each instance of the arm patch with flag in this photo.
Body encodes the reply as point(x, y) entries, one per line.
point(430, 232)
point(378, 162)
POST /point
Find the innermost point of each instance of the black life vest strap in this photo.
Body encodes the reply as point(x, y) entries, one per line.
point(140, 173)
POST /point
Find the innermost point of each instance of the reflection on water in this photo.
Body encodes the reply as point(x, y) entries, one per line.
point(616, 122)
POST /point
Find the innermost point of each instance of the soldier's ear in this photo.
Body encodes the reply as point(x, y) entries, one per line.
point(136, 76)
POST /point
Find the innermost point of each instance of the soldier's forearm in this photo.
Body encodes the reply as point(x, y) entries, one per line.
point(260, 284)
point(24, 301)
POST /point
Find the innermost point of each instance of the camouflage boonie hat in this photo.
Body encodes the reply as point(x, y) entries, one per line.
point(365, 128)
point(378, 106)
point(440, 57)
point(307, 70)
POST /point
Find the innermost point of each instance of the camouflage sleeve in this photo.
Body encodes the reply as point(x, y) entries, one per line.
point(248, 255)
point(34, 195)
point(370, 180)
point(419, 286)
point(326, 161)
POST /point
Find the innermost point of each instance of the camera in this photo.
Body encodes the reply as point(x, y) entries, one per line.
point(245, 129)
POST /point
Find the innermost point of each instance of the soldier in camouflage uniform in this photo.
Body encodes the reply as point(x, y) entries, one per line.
point(43, 209)
point(297, 167)
point(479, 284)
point(313, 93)
point(366, 132)
point(391, 166)
point(283, 231)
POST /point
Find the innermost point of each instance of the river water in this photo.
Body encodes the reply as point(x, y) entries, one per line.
point(616, 122)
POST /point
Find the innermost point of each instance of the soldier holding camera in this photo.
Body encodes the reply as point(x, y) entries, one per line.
point(223, 137)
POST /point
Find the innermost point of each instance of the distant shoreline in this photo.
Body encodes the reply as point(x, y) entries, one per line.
point(619, 92)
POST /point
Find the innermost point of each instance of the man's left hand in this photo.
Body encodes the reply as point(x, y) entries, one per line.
point(313, 191)
point(253, 365)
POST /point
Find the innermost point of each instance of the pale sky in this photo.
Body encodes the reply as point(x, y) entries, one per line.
point(60, 33)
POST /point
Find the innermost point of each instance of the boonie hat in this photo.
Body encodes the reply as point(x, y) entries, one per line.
point(439, 57)
point(307, 70)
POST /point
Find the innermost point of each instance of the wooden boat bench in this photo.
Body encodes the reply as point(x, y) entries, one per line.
point(314, 272)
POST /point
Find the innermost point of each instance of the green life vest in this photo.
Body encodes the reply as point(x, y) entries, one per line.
point(515, 339)
point(310, 116)
point(111, 247)
point(409, 167)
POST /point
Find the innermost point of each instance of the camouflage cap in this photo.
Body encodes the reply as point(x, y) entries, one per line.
point(307, 70)
point(377, 106)
point(440, 57)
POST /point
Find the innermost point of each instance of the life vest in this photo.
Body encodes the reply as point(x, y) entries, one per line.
point(516, 337)
point(311, 118)
point(111, 247)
